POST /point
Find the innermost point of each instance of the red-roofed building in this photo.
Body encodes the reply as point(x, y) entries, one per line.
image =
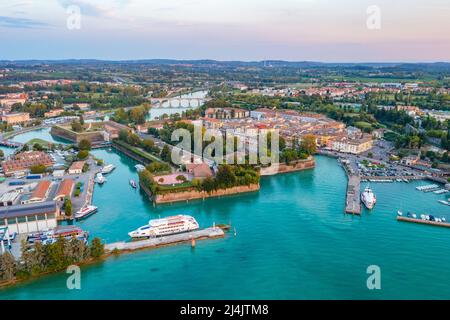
point(22, 162)
point(199, 170)
point(65, 189)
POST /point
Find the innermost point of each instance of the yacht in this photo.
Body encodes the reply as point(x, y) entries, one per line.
point(85, 212)
point(108, 168)
point(100, 179)
point(368, 198)
point(165, 226)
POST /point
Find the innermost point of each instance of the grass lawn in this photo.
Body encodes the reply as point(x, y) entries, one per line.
point(43, 143)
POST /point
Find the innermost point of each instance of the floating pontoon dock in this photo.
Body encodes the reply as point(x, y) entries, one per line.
point(415, 220)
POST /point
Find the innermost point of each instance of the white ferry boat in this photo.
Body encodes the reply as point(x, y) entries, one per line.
point(368, 198)
point(108, 168)
point(100, 179)
point(85, 212)
point(165, 226)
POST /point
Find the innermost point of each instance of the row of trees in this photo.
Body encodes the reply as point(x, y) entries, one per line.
point(134, 140)
point(227, 176)
point(48, 258)
point(135, 115)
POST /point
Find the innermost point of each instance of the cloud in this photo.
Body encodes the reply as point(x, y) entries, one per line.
point(94, 9)
point(21, 23)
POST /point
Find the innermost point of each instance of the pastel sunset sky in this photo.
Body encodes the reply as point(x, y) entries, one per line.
point(314, 30)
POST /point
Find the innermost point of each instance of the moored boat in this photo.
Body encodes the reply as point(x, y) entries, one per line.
point(368, 197)
point(133, 183)
point(85, 212)
point(139, 167)
point(165, 226)
point(99, 178)
point(108, 168)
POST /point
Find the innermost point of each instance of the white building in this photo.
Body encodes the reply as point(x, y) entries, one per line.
point(354, 146)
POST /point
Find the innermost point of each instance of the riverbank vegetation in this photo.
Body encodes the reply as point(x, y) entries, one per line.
point(42, 259)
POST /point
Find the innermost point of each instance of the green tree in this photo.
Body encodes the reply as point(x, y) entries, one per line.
point(225, 177)
point(68, 207)
point(37, 169)
point(76, 126)
point(308, 144)
point(123, 135)
point(97, 248)
point(84, 145)
point(82, 154)
point(166, 155)
point(8, 267)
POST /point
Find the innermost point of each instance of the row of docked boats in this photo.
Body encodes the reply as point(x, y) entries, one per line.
point(99, 177)
point(424, 217)
point(51, 236)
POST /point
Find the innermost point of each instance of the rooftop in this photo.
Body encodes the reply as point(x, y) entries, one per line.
point(27, 209)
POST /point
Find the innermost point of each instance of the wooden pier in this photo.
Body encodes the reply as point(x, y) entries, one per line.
point(208, 233)
point(353, 201)
point(432, 223)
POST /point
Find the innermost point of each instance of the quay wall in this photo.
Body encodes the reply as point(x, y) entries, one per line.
point(131, 154)
point(194, 194)
point(298, 165)
point(76, 137)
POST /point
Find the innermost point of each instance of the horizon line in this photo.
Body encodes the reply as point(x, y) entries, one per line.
point(223, 61)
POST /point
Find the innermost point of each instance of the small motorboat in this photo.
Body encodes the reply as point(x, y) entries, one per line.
point(99, 178)
point(139, 167)
point(399, 213)
point(133, 183)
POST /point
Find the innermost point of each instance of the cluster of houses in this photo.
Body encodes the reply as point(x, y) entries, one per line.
point(292, 126)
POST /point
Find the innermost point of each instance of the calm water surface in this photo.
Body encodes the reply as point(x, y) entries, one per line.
point(293, 242)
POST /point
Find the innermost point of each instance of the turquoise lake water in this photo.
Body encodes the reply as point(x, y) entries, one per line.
point(293, 242)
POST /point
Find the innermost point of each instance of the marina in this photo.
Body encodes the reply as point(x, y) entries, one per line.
point(428, 188)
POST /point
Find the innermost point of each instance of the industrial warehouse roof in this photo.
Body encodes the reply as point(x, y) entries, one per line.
point(27, 209)
point(9, 196)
